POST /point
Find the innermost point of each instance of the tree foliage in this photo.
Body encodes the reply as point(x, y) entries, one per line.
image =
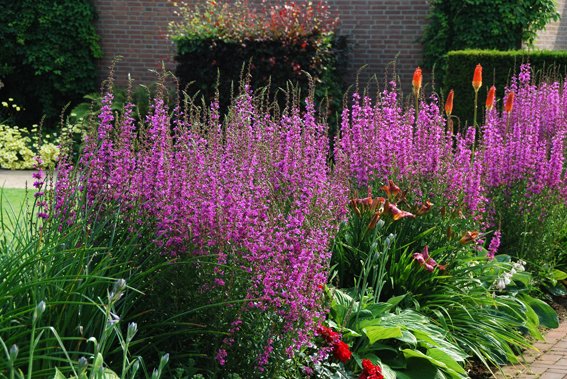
point(484, 24)
point(46, 54)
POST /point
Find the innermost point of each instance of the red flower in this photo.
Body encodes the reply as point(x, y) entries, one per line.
point(477, 78)
point(370, 370)
point(341, 351)
point(328, 334)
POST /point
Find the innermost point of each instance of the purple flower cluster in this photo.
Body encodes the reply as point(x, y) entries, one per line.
point(527, 145)
point(383, 140)
point(533, 148)
point(255, 190)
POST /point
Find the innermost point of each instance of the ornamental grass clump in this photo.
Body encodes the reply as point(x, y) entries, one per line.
point(252, 191)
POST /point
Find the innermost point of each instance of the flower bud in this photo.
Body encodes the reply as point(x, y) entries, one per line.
point(83, 363)
point(163, 361)
point(131, 332)
point(14, 350)
point(39, 309)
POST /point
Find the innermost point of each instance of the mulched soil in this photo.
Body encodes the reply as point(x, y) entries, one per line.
point(477, 370)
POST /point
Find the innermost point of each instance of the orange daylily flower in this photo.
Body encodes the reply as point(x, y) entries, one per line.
point(477, 79)
point(468, 237)
point(449, 103)
point(510, 102)
point(398, 214)
point(391, 189)
point(490, 98)
point(416, 81)
point(374, 220)
point(353, 204)
point(425, 207)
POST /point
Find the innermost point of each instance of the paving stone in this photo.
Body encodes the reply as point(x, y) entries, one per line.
point(550, 358)
point(553, 375)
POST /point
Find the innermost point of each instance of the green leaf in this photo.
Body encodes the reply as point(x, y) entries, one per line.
point(379, 308)
point(546, 314)
point(419, 369)
point(376, 333)
point(557, 290)
point(58, 374)
point(442, 356)
point(388, 372)
point(559, 275)
point(408, 338)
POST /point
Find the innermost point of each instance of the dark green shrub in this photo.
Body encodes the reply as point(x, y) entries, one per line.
point(483, 24)
point(277, 46)
point(497, 69)
point(46, 53)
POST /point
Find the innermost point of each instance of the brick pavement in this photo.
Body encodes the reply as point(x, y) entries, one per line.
point(549, 363)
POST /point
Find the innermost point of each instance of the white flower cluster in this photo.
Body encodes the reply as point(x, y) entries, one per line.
point(505, 279)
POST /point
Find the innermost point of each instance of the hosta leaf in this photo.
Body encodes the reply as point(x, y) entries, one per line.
point(419, 369)
point(559, 275)
point(376, 333)
point(442, 356)
point(546, 314)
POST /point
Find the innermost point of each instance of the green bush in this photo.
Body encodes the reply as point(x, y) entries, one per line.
point(283, 44)
point(46, 53)
point(497, 69)
point(483, 24)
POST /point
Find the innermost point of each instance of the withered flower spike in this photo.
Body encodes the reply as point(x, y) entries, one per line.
point(443, 211)
point(449, 233)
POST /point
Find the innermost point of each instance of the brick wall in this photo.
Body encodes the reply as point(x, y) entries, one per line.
point(136, 30)
point(379, 31)
point(555, 35)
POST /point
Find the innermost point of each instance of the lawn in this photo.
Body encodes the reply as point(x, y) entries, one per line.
point(12, 201)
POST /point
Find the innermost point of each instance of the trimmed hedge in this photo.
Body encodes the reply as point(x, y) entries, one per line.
point(497, 69)
point(323, 56)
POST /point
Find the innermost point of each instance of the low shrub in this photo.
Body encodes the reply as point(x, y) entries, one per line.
point(290, 42)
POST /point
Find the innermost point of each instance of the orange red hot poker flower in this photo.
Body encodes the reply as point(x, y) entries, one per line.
point(449, 103)
point(490, 98)
point(509, 102)
point(416, 81)
point(477, 78)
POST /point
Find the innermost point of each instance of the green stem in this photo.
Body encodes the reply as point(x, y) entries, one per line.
point(475, 106)
point(32, 347)
point(507, 128)
point(416, 108)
